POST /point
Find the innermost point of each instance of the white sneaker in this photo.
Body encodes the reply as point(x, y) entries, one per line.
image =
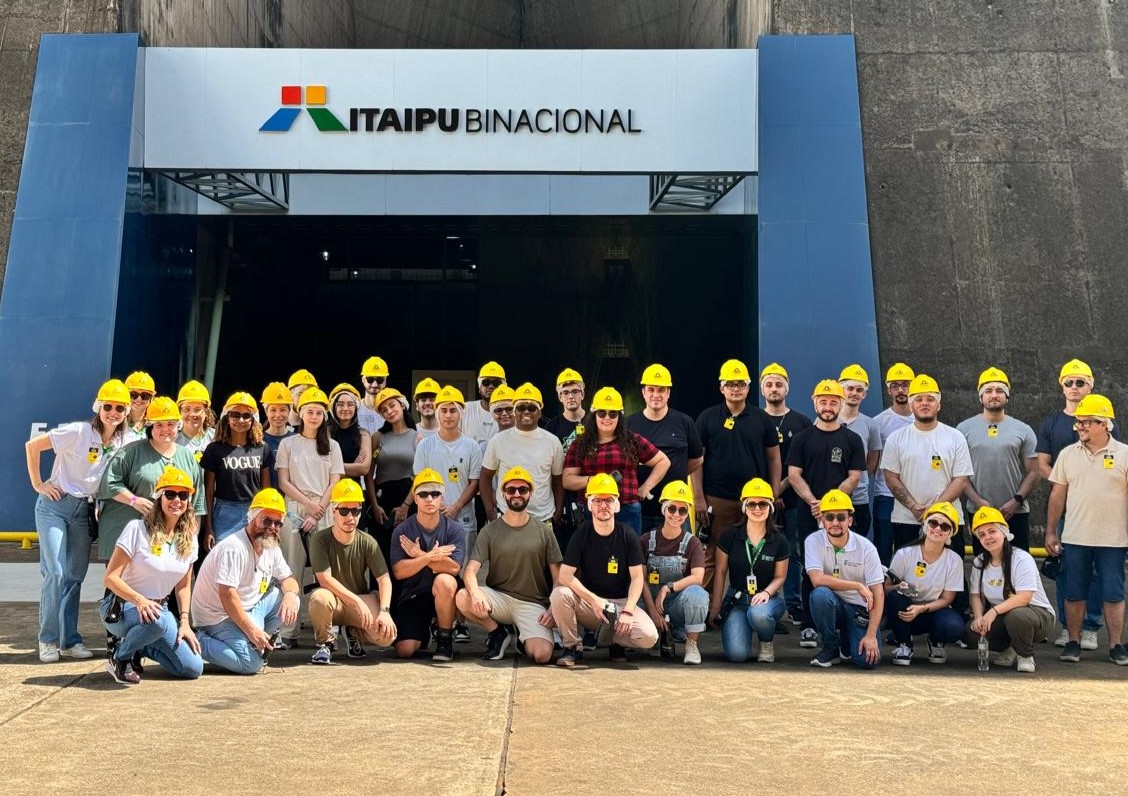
point(767, 652)
point(49, 652)
point(902, 655)
point(692, 654)
point(1026, 663)
point(76, 651)
point(1007, 657)
point(1062, 639)
point(1088, 639)
point(937, 653)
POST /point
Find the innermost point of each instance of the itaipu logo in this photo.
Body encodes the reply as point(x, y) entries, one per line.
point(284, 118)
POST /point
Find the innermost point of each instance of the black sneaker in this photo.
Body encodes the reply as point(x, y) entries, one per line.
point(1118, 655)
point(1071, 652)
point(461, 633)
point(666, 645)
point(496, 643)
point(444, 646)
point(122, 672)
point(590, 640)
point(273, 645)
point(826, 658)
point(136, 664)
point(356, 649)
point(285, 643)
point(112, 643)
point(617, 653)
point(570, 656)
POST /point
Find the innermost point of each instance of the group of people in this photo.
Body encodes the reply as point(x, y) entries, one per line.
point(398, 529)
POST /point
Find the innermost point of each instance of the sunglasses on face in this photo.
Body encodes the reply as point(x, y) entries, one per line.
point(269, 523)
point(113, 408)
point(946, 527)
point(517, 490)
point(176, 494)
point(492, 382)
point(433, 495)
point(243, 416)
point(503, 410)
point(1074, 382)
point(607, 413)
point(836, 517)
point(375, 379)
point(680, 511)
point(757, 505)
point(526, 409)
point(140, 396)
point(349, 512)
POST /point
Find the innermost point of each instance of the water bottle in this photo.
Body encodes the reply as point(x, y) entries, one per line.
point(984, 652)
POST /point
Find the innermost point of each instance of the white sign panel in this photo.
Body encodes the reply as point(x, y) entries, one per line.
point(548, 111)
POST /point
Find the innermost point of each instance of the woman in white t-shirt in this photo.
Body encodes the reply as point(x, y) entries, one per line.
point(1008, 604)
point(153, 557)
point(922, 581)
point(63, 514)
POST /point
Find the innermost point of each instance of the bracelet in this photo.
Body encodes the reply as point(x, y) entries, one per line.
point(132, 499)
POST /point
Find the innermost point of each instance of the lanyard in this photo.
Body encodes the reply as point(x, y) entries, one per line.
point(753, 555)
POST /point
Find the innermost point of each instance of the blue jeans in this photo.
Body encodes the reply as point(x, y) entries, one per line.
point(834, 617)
point(226, 646)
point(1079, 565)
point(228, 517)
point(945, 626)
point(745, 619)
point(883, 527)
point(688, 609)
point(630, 514)
point(64, 556)
point(156, 640)
point(792, 586)
point(1094, 619)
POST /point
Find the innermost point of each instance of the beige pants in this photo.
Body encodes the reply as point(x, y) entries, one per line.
point(569, 611)
point(326, 610)
point(726, 513)
point(294, 552)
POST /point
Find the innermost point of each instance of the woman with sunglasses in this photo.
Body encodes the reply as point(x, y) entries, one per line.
point(198, 427)
point(751, 564)
point(920, 585)
point(236, 466)
point(152, 558)
point(355, 441)
point(141, 388)
point(393, 448)
point(1008, 603)
point(63, 515)
point(675, 568)
point(612, 448)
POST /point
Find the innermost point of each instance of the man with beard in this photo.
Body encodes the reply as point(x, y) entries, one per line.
point(775, 386)
point(517, 549)
point(374, 376)
point(425, 392)
point(477, 421)
point(855, 387)
point(245, 591)
point(898, 415)
point(924, 463)
point(342, 561)
point(1004, 456)
point(822, 458)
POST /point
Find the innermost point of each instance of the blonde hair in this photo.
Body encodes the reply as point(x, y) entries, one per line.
point(182, 536)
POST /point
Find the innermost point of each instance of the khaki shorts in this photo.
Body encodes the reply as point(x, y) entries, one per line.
point(508, 610)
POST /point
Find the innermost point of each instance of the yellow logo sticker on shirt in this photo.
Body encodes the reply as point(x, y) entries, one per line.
point(92, 455)
point(156, 548)
point(936, 462)
point(995, 582)
point(579, 429)
point(452, 475)
point(992, 430)
point(1109, 461)
point(730, 423)
point(199, 455)
point(653, 577)
point(612, 566)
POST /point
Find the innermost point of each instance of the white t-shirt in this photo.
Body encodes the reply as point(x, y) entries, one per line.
point(858, 561)
point(1024, 577)
point(198, 445)
point(887, 422)
point(80, 458)
point(927, 461)
point(539, 452)
point(458, 462)
point(369, 419)
point(309, 471)
point(944, 574)
point(865, 427)
point(478, 423)
point(154, 572)
point(232, 562)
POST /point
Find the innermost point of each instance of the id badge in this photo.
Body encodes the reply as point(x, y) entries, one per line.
point(992, 430)
point(452, 475)
point(936, 463)
point(579, 429)
point(156, 549)
point(1109, 461)
point(780, 435)
point(837, 573)
point(612, 566)
point(921, 567)
point(730, 423)
point(750, 584)
point(652, 577)
point(263, 583)
point(92, 455)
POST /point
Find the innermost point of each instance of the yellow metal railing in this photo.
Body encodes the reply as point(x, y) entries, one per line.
point(25, 538)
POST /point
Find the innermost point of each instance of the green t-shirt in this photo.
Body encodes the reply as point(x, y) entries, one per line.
point(349, 564)
point(518, 558)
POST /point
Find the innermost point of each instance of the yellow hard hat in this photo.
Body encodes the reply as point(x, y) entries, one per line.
point(828, 387)
point(756, 488)
point(240, 399)
point(774, 369)
point(427, 476)
point(899, 371)
point(374, 367)
point(836, 500)
point(567, 376)
point(193, 392)
point(161, 409)
point(948, 510)
point(1075, 367)
point(141, 381)
point(387, 394)
point(923, 384)
point(426, 387)
point(528, 392)
point(601, 484)
point(342, 388)
point(990, 375)
point(503, 393)
point(734, 370)
point(607, 398)
point(450, 395)
point(854, 373)
point(657, 376)
point(300, 377)
point(987, 516)
point(1094, 405)
point(492, 370)
point(517, 474)
point(173, 478)
point(269, 498)
point(346, 491)
point(276, 393)
point(113, 390)
point(678, 491)
point(313, 396)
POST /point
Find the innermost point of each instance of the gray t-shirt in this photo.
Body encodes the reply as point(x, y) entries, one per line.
point(867, 429)
point(998, 454)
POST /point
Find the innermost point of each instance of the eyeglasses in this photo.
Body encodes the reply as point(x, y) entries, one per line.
point(140, 396)
point(526, 409)
point(605, 413)
point(836, 517)
point(757, 505)
point(602, 501)
point(503, 410)
point(176, 494)
point(269, 523)
point(735, 385)
point(1074, 383)
point(946, 527)
point(492, 382)
point(349, 512)
point(571, 393)
point(375, 379)
point(433, 495)
point(244, 416)
point(681, 511)
point(113, 408)
point(1085, 423)
point(517, 490)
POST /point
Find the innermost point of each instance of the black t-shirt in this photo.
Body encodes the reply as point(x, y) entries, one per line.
point(1057, 434)
point(561, 426)
point(787, 426)
point(826, 457)
point(237, 468)
point(740, 551)
point(735, 448)
point(593, 556)
point(674, 435)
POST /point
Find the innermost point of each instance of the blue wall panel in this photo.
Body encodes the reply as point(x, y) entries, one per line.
point(816, 303)
point(60, 288)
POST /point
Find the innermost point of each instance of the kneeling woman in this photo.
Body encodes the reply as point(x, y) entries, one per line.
point(1008, 603)
point(921, 584)
point(154, 556)
point(675, 567)
point(751, 562)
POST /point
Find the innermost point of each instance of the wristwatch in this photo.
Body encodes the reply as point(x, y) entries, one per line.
point(670, 587)
point(1019, 499)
